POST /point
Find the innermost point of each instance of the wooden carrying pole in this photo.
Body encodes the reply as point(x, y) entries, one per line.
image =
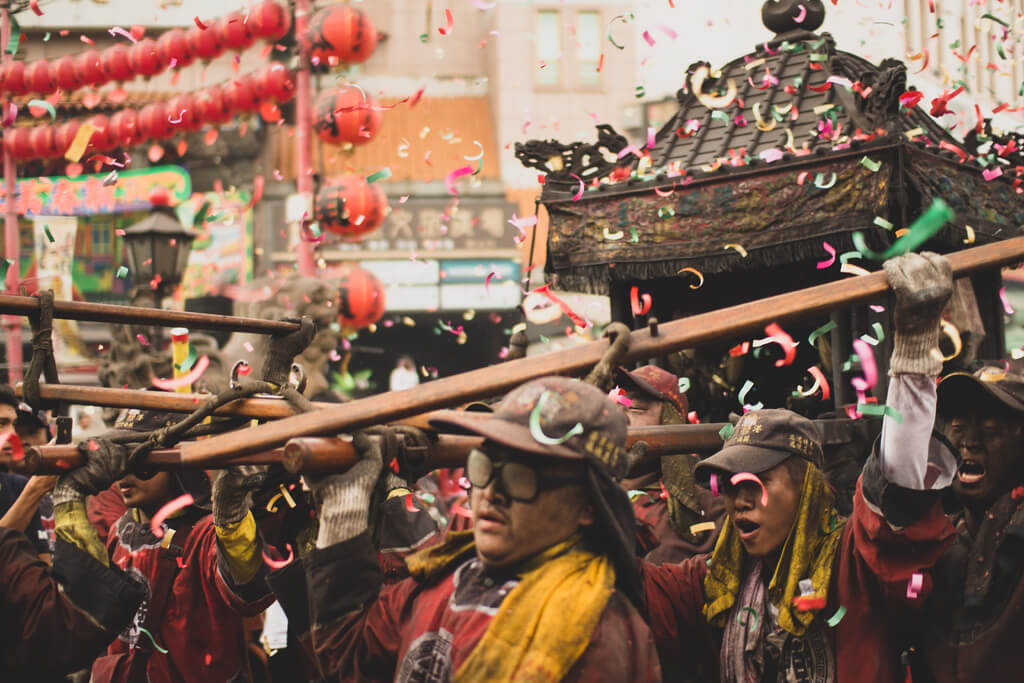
point(134, 315)
point(695, 330)
point(317, 455)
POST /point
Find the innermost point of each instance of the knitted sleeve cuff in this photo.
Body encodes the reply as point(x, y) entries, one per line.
point(916, 354)
point(344, 513)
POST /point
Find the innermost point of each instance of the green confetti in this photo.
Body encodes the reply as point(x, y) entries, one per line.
point(819, 57)
point(155, 644)
point(872, 166)
point(872, 409)
point(726, 431)
point(49, 235)
point(15, 38)
point(741, 613)
point(7, 263)
point(640, 90)
point(122, 273)
point(45, 105)
point(684, 385)
point(862, 247)
point(879, 335)
point(989, 15)
point(882, 223)
point(922, 230)
point(744, 390)
point(834, 620)
point(824, 329)
point(847, 255)
point(46, 37)
point(189, 361)
point(635, 238)
point(382, 174)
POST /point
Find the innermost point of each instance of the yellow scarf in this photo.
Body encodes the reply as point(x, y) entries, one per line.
point(546, 621)
point(809, 552)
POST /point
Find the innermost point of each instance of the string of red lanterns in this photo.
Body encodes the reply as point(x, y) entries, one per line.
point(185, 113)
point(176, 48)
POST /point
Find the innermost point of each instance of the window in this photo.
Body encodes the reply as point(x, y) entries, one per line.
point(574, 68)
point(548, 43)
point(588, 48)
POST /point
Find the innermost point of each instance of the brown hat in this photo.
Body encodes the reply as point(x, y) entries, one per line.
point(761, 440)
point(656, 382)
point(571, 419)
point(960, 390)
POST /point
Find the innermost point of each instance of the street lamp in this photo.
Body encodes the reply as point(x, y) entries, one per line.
point(158, 249)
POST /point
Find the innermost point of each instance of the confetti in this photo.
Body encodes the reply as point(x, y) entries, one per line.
point(143, 629)
point(743, 611)
point(118, 31)
point(726, 431)
point(634, 300)
point(827, 263)
point(77, 147)
point(684, 385)
point(189, 378)
point(867, 365)
point(579, 191)
point(382, 174)
point(701, 527)
point(819, 383)
point(450, 23)
point(713, 479)
point(738, 247)
point(872, 409)
point(915, 585)
point(200, 24)
point(179, 503)
point(807, 603)
point(700, 276)
point(612, 39)
point(819, 181)
point(279, 564)
point(1007, 308)
point(122, 272)
point(449, 181)
point(43, 104)
point(929, 223)
point(538, 433)
point(872, 166)
point(749, 476)
point(824, 329)
point(780, 337)
point(991, 174)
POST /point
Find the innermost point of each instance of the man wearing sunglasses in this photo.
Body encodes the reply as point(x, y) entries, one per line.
point(544, 586)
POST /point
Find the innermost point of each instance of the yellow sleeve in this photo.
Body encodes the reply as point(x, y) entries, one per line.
point(241, 546)
point(72, 525)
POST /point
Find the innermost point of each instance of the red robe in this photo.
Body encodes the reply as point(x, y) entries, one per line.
point(193, 608)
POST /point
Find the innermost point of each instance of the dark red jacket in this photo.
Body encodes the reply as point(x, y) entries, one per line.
point(193, 607)
point(869, 578)
point(45, 631)
point(423, 631)
point(974, 625)
point(651, 509)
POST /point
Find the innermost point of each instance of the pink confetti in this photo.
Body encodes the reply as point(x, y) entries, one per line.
point(749, 476)
point(1007, 308)
point(12, 114)
point(819, 377)
point(118, 31)
point(248, 347)
point(915, 585)
point(179, 503)
point(867, 365)
point(487, 283)
point(713, 482)
point(992, 173)
point(448, 29)
point(668, 32)
point(189, 378)
point(649, 38)
point(801, 15)
point(650, 138)
point(579, 192)
point(278, 564)
point(822, 265)
point(780, 337)
point(455, 175)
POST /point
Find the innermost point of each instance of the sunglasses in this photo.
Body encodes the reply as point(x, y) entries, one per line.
point(518, 481)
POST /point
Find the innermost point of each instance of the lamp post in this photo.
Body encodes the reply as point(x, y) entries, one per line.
point(158, 249)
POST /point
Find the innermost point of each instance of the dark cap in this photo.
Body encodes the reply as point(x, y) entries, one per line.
point(961, 392)
point(562, 406)
point(761, 440)
point(655, 382)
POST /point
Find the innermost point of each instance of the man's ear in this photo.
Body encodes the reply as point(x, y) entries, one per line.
point(587, 515)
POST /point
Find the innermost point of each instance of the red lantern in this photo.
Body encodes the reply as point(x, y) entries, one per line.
point(340, 34)
point(241, 94)
point(64, 74)
point(126, 127)
point(343, 115)
point(14, 79)
point(269, 21)
point(19, 144)
point(66, 133)
point(205, 44)
point(117, 63)
point(349, 206)
point(145, 58)
point(183, 114)
point(213, 106)
point(38, 78)
point(44, 142)
point(104, 139)
point(361, 299)
point(153, 123)
point(174, 49)
point(234, 32)
point(89, 67)
point(277, 82)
